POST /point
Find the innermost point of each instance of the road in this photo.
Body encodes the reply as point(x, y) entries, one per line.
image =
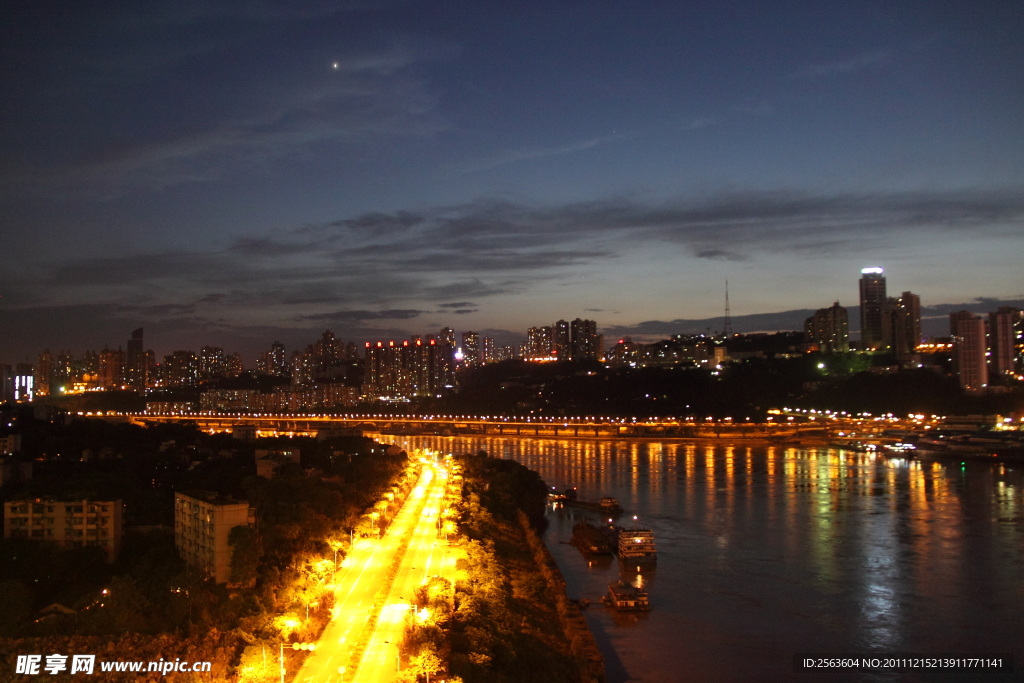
point(364, 577)
point(426, 556)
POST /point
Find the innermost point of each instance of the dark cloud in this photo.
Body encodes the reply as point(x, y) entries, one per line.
point(719, 255)
point(500, 236)
point(485, 248)
point(351, 316)
point(348, 272)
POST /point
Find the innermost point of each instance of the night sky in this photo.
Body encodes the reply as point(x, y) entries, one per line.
point(234, 173)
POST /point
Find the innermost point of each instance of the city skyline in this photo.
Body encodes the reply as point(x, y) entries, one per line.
point(935, 322)
point(234, 176)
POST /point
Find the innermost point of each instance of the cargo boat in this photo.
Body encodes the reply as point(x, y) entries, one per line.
point(627, 598)
point(589, 539)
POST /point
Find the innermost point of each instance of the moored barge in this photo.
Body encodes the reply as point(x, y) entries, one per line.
point(607, 507)
point(627, 597)
point(589, 539)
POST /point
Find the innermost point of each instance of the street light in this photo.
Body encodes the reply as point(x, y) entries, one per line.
point(294, 646)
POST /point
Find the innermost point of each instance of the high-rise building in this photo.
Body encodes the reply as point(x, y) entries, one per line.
point(446, 336)
point(1002, 341)
point(23, 382)
point(181, 369)
point(560, 339)
point(583, 341)
point(111, 370)
point(488, 350)
point(89, 369)
point(828, 330)
point(212, 363)
point(278, 360)
point(301, 368)
point(872, 304)
point(233, 365)
point(969, 349)
point(328, 350)
point(44, 374)
point(539, 342)
point(137, 362)
point(446, 357)
point(64, 370)
point(275, 361)
point(470, 349)
point(906, 324)
point(504, 353)
point(6, 383)
point(402, 370)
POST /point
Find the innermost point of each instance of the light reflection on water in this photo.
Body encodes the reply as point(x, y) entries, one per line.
point(765, 551)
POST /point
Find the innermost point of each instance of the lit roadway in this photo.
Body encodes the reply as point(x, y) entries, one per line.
point(364, 577)
point(426, 557)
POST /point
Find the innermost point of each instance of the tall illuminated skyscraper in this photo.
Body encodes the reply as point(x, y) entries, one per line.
point(872, 305)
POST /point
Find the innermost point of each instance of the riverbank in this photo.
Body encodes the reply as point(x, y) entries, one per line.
point(512, 620)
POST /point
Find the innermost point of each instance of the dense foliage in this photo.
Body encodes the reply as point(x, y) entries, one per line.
point(850, 381)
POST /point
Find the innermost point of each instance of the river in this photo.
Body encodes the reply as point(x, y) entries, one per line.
point(767, 551)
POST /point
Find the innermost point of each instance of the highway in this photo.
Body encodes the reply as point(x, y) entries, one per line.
point(364, 580)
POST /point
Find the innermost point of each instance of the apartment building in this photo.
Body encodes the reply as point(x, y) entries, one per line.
point(67, 524)
point(202, 522)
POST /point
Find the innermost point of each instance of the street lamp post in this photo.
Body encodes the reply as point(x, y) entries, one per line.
point(294, 646)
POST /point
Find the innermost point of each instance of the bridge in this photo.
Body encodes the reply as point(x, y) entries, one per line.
point(785, 427)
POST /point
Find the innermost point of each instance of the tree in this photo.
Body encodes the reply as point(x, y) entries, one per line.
point(15, 606)
point(248, 549)
point(426, 662)
point(125, 609)
point(258, 664)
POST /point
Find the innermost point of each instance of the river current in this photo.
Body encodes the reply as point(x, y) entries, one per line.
point(768, 551)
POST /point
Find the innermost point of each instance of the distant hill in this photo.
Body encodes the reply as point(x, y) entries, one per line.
point(934, 321)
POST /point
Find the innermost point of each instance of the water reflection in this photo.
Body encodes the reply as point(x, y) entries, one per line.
point(765, 551)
